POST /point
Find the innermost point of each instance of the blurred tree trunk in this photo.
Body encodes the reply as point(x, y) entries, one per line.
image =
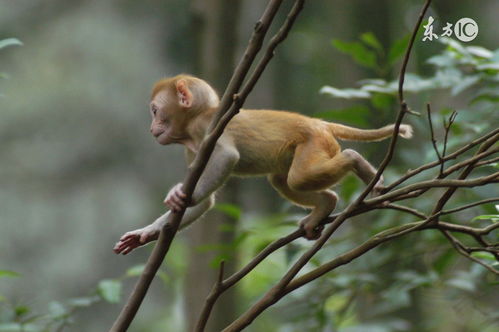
point(214, 28)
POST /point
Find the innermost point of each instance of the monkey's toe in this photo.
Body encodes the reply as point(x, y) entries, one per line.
point(315, 233)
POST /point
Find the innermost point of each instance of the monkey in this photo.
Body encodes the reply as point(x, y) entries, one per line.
point(300, 155)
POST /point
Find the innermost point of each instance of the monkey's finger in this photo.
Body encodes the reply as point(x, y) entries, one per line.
point(178, 200)
point(130, 242)
point(174, 205)
point(128, 235)
point(120, 245)
point(118, 249)
point(128, 249)
point(179, 192)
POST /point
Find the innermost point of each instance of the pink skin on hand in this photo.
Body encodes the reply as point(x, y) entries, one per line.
point(134, 239)
point(176, 198)
point(131, 240)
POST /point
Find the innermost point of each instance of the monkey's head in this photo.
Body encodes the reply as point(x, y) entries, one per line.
point(175, 102)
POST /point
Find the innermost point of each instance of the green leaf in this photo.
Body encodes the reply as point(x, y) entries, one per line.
point(358, 51)
point(21, 310)
point(9, 42)
point(493, 67)
point(8, 274)
point(135, 271)
point(231, 210)
point(461, 283)
point(492, 217)
point(110, 290)
point(370, 39)
point(484, 255)
point(345, 93)
point(480, 52)
point(398, 49)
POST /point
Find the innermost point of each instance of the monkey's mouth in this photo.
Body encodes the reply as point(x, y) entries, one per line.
point(162, 138)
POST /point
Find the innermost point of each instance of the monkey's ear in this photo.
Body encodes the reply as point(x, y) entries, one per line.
point(184, 94)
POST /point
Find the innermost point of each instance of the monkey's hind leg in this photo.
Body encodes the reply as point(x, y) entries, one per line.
point(364, 170)
point(315, 168)
point(322, 204)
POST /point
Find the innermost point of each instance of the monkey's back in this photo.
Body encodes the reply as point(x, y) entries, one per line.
point(266, 140)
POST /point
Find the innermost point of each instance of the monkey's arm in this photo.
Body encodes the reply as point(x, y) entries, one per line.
point(217, 171)
point(141, 236)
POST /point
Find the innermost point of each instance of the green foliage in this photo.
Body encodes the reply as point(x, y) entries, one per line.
point(370, 54)
point(457, 68)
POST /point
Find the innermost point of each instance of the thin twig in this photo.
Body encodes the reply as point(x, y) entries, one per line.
point(468, 206)
point(433, 140)
point(487, 162)
point(447, 126)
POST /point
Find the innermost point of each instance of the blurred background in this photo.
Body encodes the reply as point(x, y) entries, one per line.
point(78, 167)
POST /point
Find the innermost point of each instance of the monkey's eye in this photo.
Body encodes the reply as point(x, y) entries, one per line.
point(154, 110)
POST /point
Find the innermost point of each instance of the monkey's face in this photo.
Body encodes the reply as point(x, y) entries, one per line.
point(167, 124)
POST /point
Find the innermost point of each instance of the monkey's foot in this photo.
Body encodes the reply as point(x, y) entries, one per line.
point(313, 232)
point(378, 187)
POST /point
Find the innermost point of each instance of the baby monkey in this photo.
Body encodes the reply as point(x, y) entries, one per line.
point(299, 155)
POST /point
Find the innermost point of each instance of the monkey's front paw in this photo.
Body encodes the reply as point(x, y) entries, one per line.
point(176, 198)
point(131, 240)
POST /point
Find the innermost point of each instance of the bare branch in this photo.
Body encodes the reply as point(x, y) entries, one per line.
point(487, 162)
point(411, 173)
point(395, 195)
point(447, 126)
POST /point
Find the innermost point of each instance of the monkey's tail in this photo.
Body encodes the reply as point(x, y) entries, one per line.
point(370, 135)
